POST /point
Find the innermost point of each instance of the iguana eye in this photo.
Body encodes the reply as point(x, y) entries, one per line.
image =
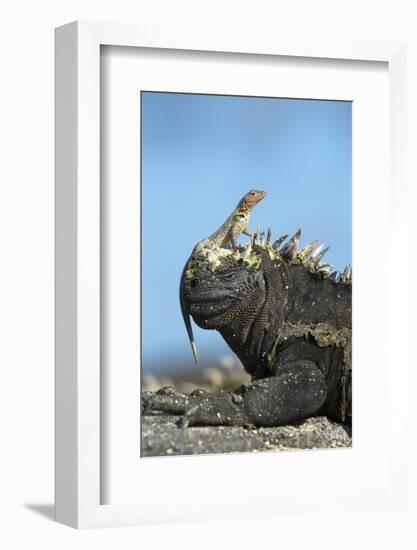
point(227, 276)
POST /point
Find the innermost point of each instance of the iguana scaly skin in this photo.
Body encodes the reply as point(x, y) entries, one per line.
point(287, 316)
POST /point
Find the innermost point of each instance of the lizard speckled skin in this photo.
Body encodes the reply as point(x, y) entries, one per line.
point(287, 316)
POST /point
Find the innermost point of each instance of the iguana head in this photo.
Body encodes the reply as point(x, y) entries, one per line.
point(214, 284)
point(215, 298)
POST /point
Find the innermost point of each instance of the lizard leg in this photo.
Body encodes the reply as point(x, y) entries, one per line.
point(233, 243)
point(297, 391)
point(248, 233)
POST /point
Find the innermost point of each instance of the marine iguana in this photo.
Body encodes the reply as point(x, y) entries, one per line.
point(286, 315)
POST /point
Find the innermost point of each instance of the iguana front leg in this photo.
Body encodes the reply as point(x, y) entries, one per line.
point(298, 391)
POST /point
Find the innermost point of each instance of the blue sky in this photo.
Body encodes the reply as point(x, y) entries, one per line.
point(200, 154)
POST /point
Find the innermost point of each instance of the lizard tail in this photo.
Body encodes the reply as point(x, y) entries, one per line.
point(186, 315)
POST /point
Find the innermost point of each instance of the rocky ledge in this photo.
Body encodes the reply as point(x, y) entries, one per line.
point(162, 436)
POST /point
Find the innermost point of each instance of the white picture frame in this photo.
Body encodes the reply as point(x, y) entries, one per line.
point(78, 405)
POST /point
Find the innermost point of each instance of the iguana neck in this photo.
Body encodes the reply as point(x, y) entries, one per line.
point(252, 334)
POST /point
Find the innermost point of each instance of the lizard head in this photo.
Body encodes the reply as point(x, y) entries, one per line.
point(248, 201)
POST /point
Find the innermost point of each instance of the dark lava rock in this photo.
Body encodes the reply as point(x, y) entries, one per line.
point(162, 436)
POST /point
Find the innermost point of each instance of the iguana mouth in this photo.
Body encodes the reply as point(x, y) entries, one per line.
point(203, 311)
point(209, 297)
point(204, 304)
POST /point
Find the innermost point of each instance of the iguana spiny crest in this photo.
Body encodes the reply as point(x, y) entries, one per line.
point(310, 256)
